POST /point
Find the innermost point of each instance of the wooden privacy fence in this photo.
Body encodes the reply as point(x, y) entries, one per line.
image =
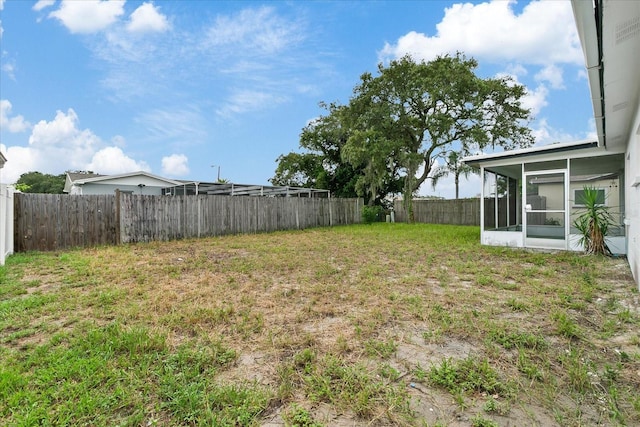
point(459, 212)
point(56, 221)
point(45, 222)
point(148, 218)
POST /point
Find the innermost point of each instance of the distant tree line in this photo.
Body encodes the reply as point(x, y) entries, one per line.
point(38, 182)
point(412, 122)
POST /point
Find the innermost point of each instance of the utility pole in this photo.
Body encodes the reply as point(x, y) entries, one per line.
point(218, 166)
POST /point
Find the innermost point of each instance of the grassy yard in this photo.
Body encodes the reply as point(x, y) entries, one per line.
point(387, 324)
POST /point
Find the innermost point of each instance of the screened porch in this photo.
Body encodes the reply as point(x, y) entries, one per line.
point(531, 198)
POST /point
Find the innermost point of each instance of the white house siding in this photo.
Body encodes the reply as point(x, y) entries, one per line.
point(93, 189)
point(632, 196)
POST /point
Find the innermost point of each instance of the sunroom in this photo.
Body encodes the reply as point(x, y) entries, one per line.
point(531, 197)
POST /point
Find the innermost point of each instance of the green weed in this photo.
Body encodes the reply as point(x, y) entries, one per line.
point(517, 305)
point(479, 421)
point(510, 340)
point(566, 326)
point(381, 349)
point(297, 416)
point(467, 375)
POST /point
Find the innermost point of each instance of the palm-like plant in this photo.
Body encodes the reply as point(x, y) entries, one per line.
point(452, 165)
point(593, 223)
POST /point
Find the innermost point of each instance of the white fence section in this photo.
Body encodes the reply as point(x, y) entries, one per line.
point(6, 222)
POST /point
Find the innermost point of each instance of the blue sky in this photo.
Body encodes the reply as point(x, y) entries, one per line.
point(174, 87)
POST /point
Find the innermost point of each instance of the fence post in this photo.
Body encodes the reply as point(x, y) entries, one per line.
point(330, 210)
point(118, 216)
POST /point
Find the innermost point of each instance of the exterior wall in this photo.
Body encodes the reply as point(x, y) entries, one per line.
point(6, 222)
point(513, 239)
point(91, 189)
point(134, 180)
point(612, 198)
point(632, 196)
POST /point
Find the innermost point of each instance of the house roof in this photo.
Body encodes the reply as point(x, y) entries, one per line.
point(75, 176)
point(101, 178)
point(475, 161)
point(232, 189)
point(3, 159)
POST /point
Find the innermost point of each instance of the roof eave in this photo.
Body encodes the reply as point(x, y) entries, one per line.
point(474, 161)
point(588, 16)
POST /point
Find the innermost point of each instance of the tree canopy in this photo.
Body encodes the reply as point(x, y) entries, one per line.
point(321, 165)
point(37, 182)
point(399, 123)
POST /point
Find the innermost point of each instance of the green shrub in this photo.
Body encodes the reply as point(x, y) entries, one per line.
point(372, 214)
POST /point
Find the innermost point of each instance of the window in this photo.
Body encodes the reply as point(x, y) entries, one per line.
point(578, 197)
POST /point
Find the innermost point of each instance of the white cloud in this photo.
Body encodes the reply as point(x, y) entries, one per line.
point(119, 141)
point(59, 145)
point(551, 74)
point(19, 160)
point(243, 101)
point(175, 125)
point(543, 33)
point(536, 99)
point(147, 18)
point(88, 16)
point(545, 134)
point(112, 160)
point(13, 124)
point(175, 165)
point(42, 4)
point(253, 31)
point(62, 142)
point(9, 68)
point(516, 70)
point(255, 49)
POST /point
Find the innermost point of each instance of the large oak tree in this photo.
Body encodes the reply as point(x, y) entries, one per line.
point(399, 123)
point(414, 113)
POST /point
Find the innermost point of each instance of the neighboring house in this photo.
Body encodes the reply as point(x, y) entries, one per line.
point(133, 182)
point(3, 160)
point(233, 189)
point(535, 191)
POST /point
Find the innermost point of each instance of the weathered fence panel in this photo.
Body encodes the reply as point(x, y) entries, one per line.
point(56, 221)
point(148, 218)
point(45, 222)
point(459, 212)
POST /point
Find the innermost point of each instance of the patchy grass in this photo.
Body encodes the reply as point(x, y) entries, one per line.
point(383, 324)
